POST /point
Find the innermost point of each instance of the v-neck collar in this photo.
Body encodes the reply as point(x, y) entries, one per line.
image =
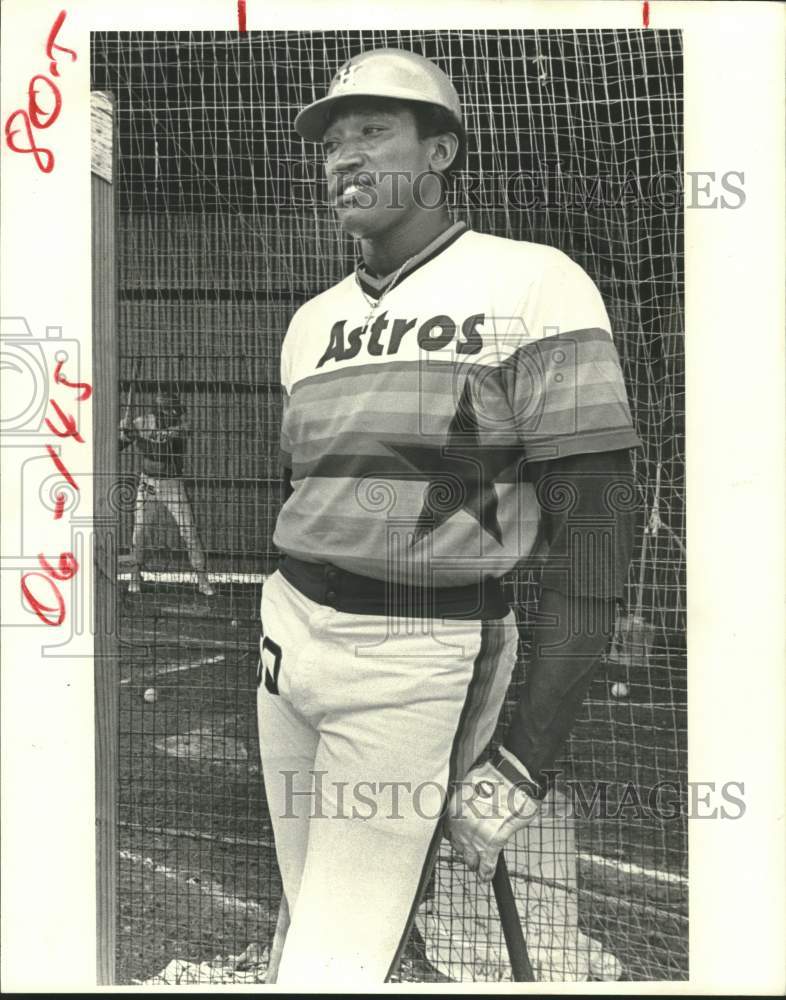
point(376, 287)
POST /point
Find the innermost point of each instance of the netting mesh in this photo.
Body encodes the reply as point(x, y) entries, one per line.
point(223, 230)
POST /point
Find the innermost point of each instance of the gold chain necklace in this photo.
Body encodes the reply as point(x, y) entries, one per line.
point(376, 303)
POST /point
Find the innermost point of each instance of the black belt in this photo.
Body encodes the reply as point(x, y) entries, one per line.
point(362, 595)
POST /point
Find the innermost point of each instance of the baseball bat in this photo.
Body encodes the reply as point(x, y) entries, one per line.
point(279, 936)
point(511, 924)
point(126, 412)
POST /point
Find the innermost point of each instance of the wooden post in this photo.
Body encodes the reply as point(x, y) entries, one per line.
point(105, 525)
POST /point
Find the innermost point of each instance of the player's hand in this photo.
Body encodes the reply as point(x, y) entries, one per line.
point(485, 810)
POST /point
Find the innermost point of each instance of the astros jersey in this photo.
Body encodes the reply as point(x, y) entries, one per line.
point(413, 403)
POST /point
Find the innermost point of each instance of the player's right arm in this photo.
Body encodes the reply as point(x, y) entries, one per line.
point(128, 432)
point(578, 445)
point(573, 419)
point(145, 433)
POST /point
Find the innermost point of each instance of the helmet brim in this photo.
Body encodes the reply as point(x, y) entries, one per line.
point(313, 120)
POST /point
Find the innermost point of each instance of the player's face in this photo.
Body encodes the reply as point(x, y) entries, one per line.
point(377, 166)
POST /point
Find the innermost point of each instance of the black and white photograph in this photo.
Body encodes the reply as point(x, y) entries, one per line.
point(383, 579)
point(400, 358)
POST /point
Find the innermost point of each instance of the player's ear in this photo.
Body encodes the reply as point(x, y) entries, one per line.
point(444, 149)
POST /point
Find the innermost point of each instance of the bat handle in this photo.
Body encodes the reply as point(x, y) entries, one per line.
point(520, 965)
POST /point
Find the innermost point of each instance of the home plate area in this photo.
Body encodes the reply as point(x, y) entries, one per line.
point(211, 744)
point(460, 927)
point(249, 969)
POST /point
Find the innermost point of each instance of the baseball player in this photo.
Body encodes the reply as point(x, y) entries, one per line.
point(453, 407)
point(160, 435)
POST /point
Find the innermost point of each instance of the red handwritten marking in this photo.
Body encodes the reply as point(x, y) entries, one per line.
point(241, 15)
point(38, 606)
point(60, 467)
point(33, 108)
point(44, 158)
point(645, 13)
point(85, 389)
point(68, 422)
point(51, 45)
point(60, 502)
point(67, 566)
point(35, 117)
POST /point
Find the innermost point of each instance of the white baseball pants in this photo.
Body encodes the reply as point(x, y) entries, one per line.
point(364, 722)
point(172, 494)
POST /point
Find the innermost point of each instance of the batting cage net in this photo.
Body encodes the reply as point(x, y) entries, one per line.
point(575, 140)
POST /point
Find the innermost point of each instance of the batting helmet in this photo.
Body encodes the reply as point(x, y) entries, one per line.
point(394, 73)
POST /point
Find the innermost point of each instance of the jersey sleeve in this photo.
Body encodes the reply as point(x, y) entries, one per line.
point(564, 382)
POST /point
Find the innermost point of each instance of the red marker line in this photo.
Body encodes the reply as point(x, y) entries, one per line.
point(645, 13)
point(241, 15)
point(60, 467)
point(51, 45)
point(60, 502)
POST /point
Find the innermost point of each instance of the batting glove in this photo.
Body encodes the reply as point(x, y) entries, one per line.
point(488, 808)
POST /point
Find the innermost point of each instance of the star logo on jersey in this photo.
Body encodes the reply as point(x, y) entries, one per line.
point(461, 473)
